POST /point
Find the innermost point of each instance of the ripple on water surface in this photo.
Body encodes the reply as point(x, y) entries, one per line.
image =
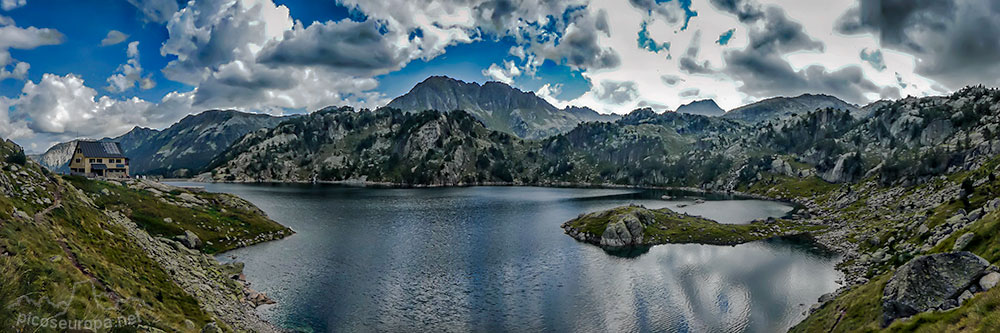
point(495, 259)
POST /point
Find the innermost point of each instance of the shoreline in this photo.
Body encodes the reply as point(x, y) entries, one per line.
point(797, 205)
point(392, 185)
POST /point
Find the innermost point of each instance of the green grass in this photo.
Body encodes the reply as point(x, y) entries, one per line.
point(857, 310)
point(34, 265)
point(979, 314)
point(212, 222)
point(792, 187)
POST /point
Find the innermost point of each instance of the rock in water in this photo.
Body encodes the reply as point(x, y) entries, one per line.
point(929, 282)
point(627, 231)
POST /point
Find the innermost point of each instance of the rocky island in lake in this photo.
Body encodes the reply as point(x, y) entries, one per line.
point(637, 226)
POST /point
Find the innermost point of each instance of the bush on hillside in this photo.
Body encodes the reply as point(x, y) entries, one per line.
point(17, 157)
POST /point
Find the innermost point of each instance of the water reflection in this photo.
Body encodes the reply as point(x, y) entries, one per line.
point(495, 259)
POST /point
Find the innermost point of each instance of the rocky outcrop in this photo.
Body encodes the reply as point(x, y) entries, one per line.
point(846, 169)
point(932, 282)
point(625, 230)
point(963, 241)
point(189, 239)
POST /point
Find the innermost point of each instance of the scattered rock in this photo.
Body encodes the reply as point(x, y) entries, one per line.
point(864, 259)
point(975, 214)
point(989, 280)
point(190, 198)
point(991, 205)
point(929, 282)
point(189, 239)
point(233, 268)
point(21, 214)
point(259, 299)
point(966, 295)
point(963, 241)
point(210, 328)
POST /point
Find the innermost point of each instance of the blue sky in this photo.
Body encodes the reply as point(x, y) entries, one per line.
point(59, 82)
point(83, 54)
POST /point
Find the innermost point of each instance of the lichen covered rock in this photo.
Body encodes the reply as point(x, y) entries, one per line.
point(930, 282)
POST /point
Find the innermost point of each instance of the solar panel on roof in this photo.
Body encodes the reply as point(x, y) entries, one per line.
point(110, 148)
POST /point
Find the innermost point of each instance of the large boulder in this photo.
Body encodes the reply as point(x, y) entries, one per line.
point(624, 231)
point(189, 239)
point(930, 282)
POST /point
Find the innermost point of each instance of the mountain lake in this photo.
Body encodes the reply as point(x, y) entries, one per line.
point(495, 259)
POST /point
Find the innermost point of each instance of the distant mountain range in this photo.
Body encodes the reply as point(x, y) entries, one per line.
point(901, 141)
point(188, 146)
point(499, 106)
point(184, 147)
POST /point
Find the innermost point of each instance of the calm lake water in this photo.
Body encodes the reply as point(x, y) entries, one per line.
point(494, 259)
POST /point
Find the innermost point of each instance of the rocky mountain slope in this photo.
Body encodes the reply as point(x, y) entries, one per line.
point(453, 148)
point(906, 141)
point(177, 151)
point(386, 145)
point(57, 157)
point(780, 108)
point(499, 106)
point(131, 255)
point(705, 107)
point(192, 142)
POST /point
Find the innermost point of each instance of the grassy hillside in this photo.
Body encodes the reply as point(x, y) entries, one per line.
point(222, 221)
point(65, 257)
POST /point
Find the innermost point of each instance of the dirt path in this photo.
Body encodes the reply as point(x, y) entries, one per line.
point(40, 218)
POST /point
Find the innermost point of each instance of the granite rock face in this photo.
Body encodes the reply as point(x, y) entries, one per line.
point(930, 282)
point(626, 231)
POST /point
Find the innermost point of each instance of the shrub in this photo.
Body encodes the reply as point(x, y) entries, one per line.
point(17, 157)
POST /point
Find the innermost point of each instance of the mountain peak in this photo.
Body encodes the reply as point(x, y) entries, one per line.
point(776, 108)
point(704, 107)
point(497, 105)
